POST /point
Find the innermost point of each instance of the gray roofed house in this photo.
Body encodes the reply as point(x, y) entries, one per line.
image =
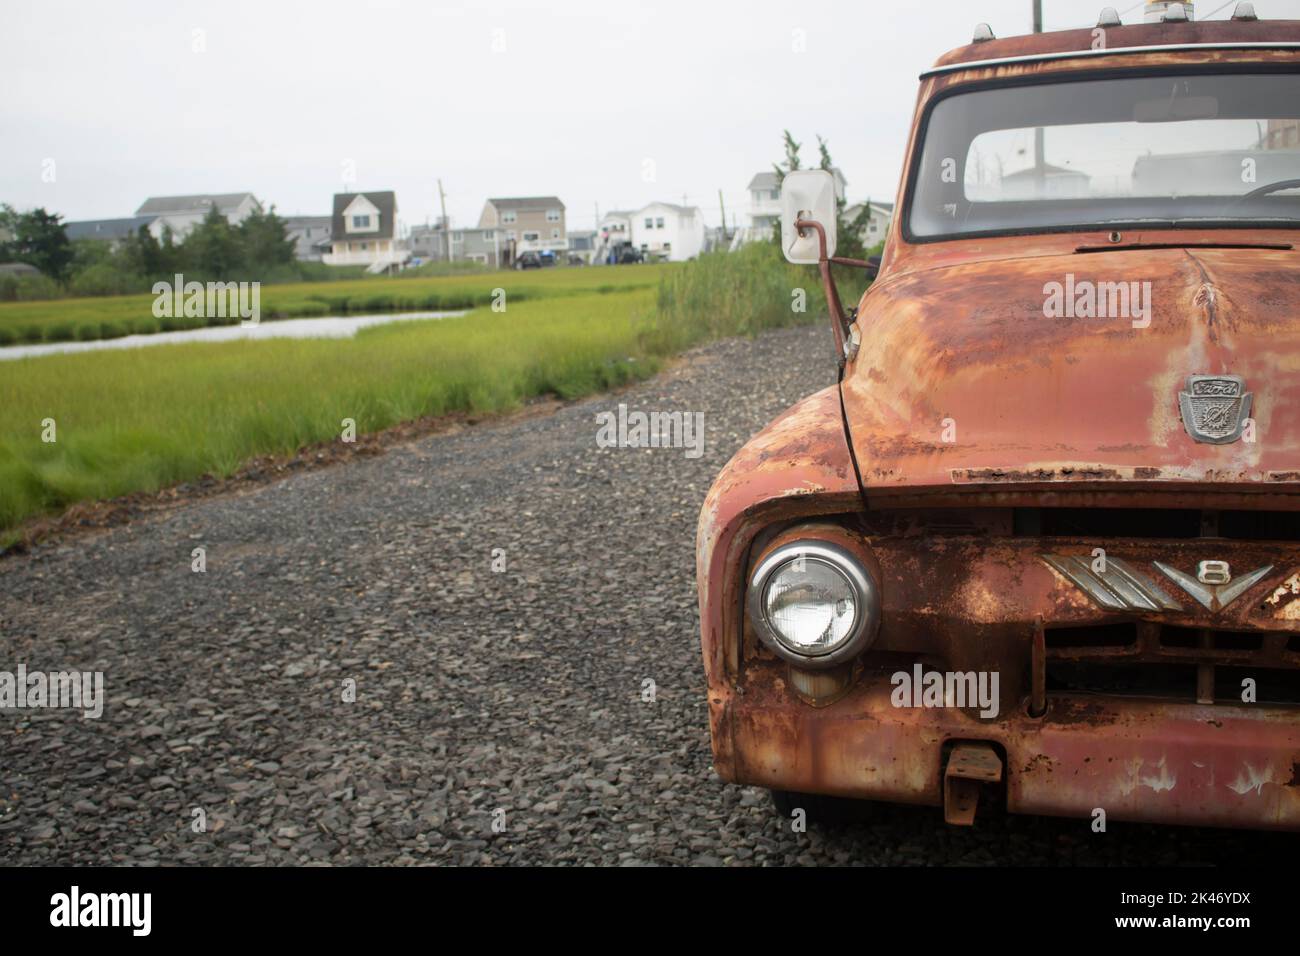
point(363, 231)
point(530, 222)
point(107, 230)
point(310, 235)
point(180, 214)
point(227, 203)
point(526, 202)
point(877, 224)
point(486, 246)
point(385, 204)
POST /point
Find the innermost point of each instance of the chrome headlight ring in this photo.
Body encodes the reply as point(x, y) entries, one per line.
point(857, 580)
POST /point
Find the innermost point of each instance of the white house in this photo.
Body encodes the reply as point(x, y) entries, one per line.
point(665, 230)
point(614, 227)
point(877, 226)
point(180, 214)
point(363, 231)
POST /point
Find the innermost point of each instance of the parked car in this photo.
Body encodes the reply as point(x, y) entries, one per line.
point(1040, 543)
point(528, 260)
point(624, 253)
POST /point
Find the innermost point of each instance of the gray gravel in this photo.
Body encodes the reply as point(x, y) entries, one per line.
point(476, 691)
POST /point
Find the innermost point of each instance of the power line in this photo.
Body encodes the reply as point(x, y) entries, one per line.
point(1224, 7)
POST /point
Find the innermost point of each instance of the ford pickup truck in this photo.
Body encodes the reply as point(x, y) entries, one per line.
point(1040, 544)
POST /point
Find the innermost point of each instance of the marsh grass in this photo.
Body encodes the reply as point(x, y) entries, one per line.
point(60, 320)
point(142, 419)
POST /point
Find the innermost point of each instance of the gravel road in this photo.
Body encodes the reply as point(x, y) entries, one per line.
point(482, 697)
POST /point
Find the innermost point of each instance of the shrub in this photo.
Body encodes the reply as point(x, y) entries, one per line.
point(37, 288)
point(88, 332)
point(7, 336)
point(61, 332)
point(103, 279)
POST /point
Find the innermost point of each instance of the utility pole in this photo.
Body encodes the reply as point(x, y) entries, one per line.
point(723, 206)
point(1039, 162)
point(446, 226)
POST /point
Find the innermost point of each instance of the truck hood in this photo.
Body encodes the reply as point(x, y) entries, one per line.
point(966, 374)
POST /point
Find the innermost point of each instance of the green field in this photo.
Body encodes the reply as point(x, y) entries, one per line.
point(61, 320)
point(142, 419)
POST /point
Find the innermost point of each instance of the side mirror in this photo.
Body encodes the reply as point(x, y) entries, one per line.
point(808, 195)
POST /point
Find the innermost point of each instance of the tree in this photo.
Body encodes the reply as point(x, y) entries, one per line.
point(791, 161)
point(213, 249)
point(142, 255)
point(37, 238)
point(265, 241)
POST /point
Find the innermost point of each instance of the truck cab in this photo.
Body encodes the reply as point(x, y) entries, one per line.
point(1040, 544)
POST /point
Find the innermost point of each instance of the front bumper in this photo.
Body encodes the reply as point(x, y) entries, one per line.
point(1138, 760)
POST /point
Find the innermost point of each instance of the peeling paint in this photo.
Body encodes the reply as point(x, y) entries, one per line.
point(1251, 779)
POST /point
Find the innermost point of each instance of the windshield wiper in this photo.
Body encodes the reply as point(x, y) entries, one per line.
point(1119, 246)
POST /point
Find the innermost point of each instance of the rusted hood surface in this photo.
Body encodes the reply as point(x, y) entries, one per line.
point(962, 378)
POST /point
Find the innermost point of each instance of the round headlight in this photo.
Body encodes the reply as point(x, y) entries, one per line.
point(813, 603)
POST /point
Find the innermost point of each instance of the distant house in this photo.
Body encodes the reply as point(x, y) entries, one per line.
point(665, 230)
point(180, 214)
point(107, 230)
point(1044, 182)
point(363, 231)
point(614, 227)
point(877, 226)
point(18, 269)
point(529, 224)
point(486, 246)
point(765, 203)
point(582, 243)
point(310, 235)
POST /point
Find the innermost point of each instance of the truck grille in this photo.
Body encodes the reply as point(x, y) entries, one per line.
point(1144, 659)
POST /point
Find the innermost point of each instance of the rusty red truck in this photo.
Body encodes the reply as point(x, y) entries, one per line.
point(1041, 541)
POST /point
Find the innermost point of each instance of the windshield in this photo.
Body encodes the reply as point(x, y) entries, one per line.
point(1212, 149)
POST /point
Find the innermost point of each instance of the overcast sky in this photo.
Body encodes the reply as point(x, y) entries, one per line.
point(615, 103)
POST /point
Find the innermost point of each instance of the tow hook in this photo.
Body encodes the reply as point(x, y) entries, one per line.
point(970, 765)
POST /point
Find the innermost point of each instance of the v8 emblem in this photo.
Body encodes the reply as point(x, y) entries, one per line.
point(1213, 585)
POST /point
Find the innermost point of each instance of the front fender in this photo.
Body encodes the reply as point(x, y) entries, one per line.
point(798, 466)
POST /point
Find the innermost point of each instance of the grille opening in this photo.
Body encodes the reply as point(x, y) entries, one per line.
point(1191, 637)
point(1097, 635)
point(1172, 681)
point(1163, 523)
point(1293, 644)
point(1129, 679)
point(1236, 641)
point(1272, 685)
